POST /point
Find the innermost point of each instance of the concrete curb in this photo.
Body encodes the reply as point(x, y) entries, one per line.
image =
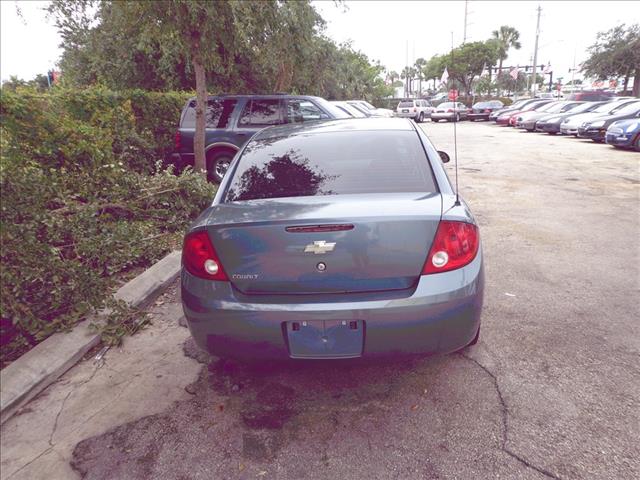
point(44, 364)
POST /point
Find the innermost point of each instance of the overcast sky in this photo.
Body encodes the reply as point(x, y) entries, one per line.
point(379, 29)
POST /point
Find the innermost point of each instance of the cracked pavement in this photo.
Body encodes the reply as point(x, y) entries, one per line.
point(552, 390)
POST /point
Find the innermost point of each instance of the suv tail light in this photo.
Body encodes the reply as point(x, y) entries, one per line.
point(415, 109)
point(177, 140)
point(450, 110)
point(200, 258)
point(455, 245)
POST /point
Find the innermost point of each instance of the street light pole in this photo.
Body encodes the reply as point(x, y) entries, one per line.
point(535, 54)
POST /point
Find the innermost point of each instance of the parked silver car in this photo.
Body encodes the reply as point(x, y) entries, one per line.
point(334, 239)
point(450, 111)
point(417, 109)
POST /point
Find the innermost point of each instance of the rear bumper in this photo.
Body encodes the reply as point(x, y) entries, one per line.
point(409, 114)
point(443, 116)
point(441, 315)
point(182, 160)
point(478, 116)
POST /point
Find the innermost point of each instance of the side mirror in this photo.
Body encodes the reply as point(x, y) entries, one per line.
point(444, 156)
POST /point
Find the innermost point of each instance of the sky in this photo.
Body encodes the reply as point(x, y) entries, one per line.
point(381, 29)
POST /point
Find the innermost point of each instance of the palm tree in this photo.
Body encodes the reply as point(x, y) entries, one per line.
point(506, 37)
point(419, 65)
point(407, 74)
point(392, 76)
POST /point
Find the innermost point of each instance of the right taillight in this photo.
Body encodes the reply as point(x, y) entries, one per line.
point(200, 258)
point(177, 140)
point(455, 245)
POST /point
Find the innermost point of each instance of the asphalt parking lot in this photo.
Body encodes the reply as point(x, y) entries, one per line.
point(552, 390)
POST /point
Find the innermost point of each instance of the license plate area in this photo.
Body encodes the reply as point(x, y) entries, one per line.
point(325, 338)
point(405, 111)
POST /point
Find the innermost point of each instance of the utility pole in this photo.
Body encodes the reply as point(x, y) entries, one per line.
point(406, 64)
point(535, 54)
point(464, 34)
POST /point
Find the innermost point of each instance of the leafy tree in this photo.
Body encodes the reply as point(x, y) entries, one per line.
point(467, 61)
point(504, 39)
point(39, 82)
point(277, 46)
point(433, 69)
point(616, 53)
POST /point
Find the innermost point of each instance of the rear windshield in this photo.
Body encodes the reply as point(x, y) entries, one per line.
point(218, 113)
point(331, 164)
point(405, 104)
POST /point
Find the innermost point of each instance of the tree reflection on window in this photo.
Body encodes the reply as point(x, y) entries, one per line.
point(288, 175)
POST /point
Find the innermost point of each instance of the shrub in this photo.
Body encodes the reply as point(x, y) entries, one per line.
point(84, 203)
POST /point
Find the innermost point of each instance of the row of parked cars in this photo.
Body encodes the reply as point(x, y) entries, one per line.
point(615, 120)
point(419, 110)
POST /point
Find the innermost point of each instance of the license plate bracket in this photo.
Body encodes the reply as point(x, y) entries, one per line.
point(325, 338)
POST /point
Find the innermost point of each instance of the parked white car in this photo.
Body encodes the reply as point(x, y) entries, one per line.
point(417, 109)
point(369, 109)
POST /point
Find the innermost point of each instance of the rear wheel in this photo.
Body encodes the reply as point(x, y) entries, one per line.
point(218, 162)
point(421, 117)
point(457, 119)
point(637, 143)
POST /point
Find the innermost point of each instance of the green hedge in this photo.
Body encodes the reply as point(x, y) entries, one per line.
point(84, 203)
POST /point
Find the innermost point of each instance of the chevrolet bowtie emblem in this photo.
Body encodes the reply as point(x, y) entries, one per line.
point(319, 247)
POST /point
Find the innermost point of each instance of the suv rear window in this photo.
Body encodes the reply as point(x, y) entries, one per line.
point(330, 164)
point(405, 104)
point(217, 116)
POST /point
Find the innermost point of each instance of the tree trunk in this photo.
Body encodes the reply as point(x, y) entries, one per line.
point(200, 164)
point(636, 83)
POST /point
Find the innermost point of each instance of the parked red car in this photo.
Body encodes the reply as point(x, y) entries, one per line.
point(506, 119)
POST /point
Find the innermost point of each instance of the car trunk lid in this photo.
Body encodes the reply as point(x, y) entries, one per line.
point(365, 242)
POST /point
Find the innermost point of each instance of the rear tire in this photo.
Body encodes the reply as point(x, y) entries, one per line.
point(421, 117)
point(637, 144)
point(457, 119)
point(218, 162)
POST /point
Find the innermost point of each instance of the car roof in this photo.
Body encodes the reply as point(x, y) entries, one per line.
point(256, 95)
point(339, 125)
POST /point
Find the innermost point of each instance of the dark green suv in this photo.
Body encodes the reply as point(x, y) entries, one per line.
point(232, 119)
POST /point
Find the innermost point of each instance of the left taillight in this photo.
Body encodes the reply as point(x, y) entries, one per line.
point(454, 246)
point(200, 258)
point(177, 140)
